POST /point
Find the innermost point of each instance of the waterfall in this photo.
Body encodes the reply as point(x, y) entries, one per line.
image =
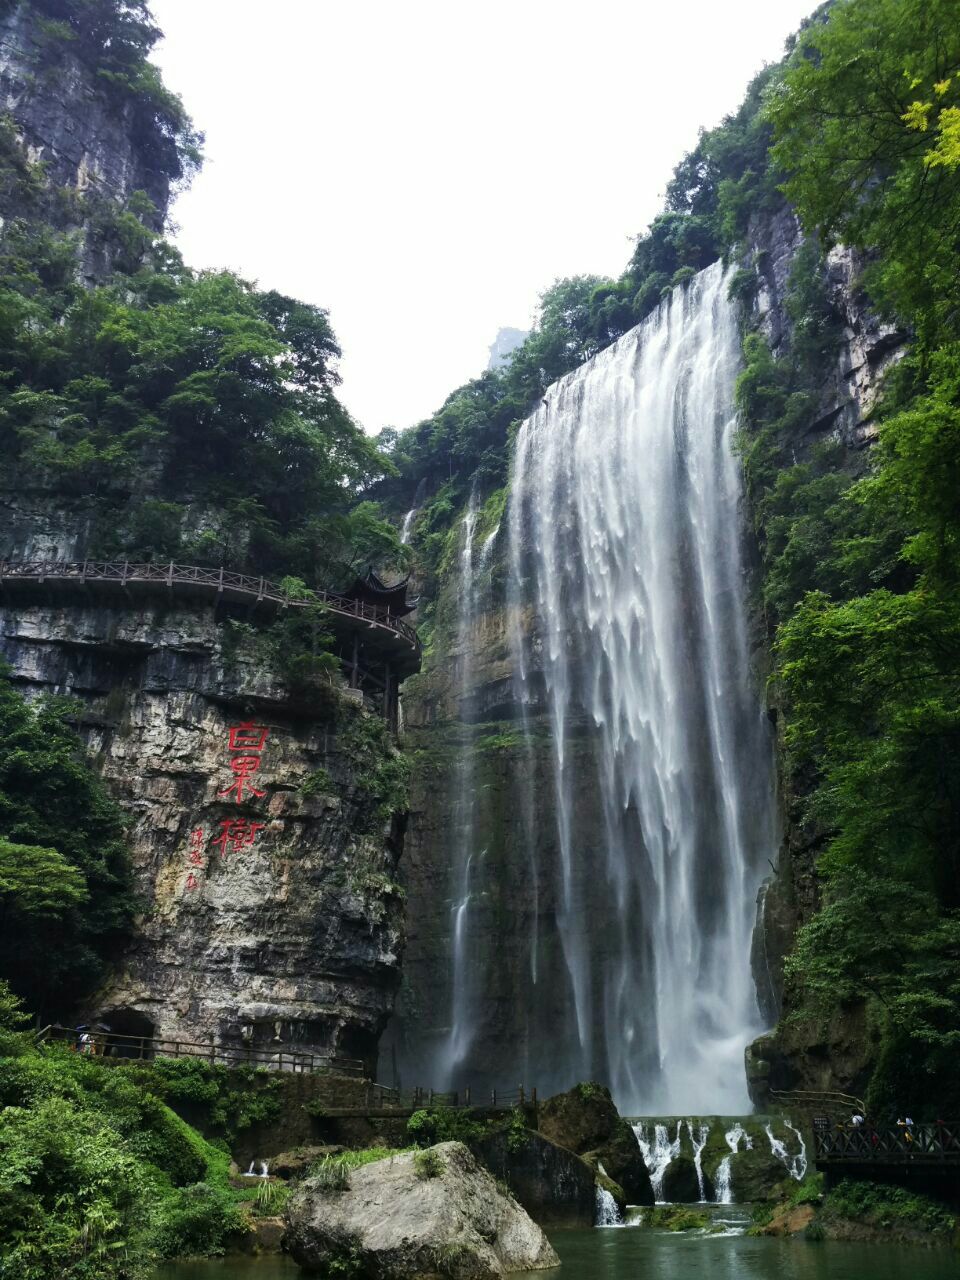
point(454, 1050)
point(658, 1150)
point(733, 1136)
point(722, 1187)
point(407, 525)
point(467, 859)
point(699, 1141)
point(625, 536)
point(796, 1165)
point(608, 1214)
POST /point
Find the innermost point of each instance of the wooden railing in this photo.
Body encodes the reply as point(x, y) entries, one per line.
point(111, 1047)
point(824, 1099)
point(934, 1144)
point(423, 1099)
point(219, 582)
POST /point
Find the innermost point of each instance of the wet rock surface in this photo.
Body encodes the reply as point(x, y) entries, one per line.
point(392, 1221)
point(555, 1186)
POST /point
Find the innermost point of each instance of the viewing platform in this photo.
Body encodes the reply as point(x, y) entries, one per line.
point(377, 648)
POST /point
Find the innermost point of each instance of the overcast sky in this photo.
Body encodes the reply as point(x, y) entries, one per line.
point(425, 168)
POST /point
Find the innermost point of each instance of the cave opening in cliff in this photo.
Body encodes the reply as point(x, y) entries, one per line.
point(129, 1034)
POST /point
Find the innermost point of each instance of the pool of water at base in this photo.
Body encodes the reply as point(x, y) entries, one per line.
point(630, 1253)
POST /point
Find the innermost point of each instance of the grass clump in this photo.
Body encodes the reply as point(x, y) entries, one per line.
point(332, 1173)
point(428, 1164)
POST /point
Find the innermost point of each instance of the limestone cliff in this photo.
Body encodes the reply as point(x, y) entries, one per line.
point(275, 911)
point(81, 145)
point(836, 1053)
point(264, 812)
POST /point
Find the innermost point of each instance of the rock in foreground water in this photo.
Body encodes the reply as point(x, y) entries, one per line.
point(415, 1214)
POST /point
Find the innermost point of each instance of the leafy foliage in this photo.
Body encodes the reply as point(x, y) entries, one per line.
point(861, 565)
point(97, 1177)
point(887, 1206)
point(65, 899)
point(223, 1101)
point(866, 128)
point(444, 1124)
point(192, 417)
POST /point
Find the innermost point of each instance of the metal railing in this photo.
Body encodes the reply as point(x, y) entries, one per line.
point(937, 1143)
point(129, 573)
point(111, 1047)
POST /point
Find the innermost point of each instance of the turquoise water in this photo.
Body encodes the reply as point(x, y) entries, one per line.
point(630, 1254)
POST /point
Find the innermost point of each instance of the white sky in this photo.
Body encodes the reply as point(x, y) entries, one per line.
point(425, 168)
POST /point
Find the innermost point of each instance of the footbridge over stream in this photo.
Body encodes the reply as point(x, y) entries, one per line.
point(377, 649)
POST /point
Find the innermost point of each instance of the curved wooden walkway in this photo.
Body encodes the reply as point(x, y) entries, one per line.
point(388, 635)
point(936, 1145)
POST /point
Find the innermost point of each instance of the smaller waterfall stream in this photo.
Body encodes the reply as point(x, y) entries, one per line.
point(660, 1146)
point(468, 858)
point(699, 1141)
point(407, 525)
point(722, 1186)
point(658, 1150)
point(796, 1165)
point(608, 1214)
point(722, 1179)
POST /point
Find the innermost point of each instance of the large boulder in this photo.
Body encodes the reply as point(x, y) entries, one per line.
point(756, 1175)
point(681, 1184)
point(427, 1213)
point(585, 1120)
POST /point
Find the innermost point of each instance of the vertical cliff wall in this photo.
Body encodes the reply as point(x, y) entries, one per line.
point(267, 887)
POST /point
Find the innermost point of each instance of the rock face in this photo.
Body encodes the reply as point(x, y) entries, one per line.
point(91, 143)
point(555, 1186)
point(271, 921)
point(393, 1221)
point(585, 1120)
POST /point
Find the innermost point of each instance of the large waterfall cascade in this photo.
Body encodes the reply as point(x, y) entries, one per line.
point(625, 537)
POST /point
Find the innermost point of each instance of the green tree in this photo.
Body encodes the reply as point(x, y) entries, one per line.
point(866, 128)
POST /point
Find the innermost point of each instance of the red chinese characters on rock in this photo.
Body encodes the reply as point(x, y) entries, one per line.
point(235, 835)
point(195, 856)
point(196, 846)
point(245, 744)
